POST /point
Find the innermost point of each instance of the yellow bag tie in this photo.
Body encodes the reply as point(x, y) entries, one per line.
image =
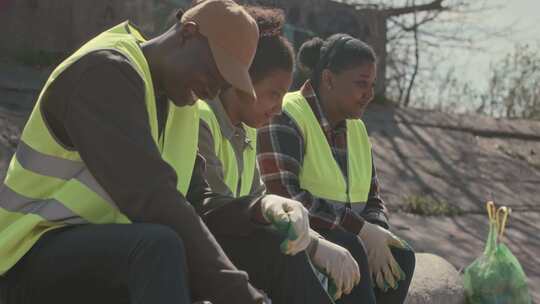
point(502, 216)
point(498, 216)
point(491, 210)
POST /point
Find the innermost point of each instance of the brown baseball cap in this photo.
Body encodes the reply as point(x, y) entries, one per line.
point(232, 35)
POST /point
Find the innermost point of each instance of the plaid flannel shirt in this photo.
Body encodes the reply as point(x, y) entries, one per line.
point(280, 156)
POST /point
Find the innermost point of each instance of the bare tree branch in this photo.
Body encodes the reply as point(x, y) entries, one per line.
point(397, 11)
point(416, 64)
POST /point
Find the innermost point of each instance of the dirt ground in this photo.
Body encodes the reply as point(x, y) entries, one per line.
point(460, 162)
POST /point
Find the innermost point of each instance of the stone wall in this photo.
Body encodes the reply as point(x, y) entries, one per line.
point(60, 26)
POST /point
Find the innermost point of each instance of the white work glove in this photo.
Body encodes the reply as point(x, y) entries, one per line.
point(266, 299)
point(383, 268)
point(338, 263)
point(290, 218)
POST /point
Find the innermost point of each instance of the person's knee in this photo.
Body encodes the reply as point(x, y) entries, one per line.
point(159, 240)
point(271, 241)
point(354, 242)
point(355, 246)
point(406, 259)
point(301, 260)
point(157, 265)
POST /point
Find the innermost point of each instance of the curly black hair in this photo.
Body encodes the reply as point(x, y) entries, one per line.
point(274, 51)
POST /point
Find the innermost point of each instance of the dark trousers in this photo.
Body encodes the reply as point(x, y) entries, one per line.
point(285, 279)
point(137, 263)
point(365, 292)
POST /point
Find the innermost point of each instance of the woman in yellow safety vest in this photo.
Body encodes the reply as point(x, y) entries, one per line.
point(318, 152)
point(227, 140)
point(227, 133)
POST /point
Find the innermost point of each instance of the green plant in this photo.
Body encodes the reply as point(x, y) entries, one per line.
point(429, 206)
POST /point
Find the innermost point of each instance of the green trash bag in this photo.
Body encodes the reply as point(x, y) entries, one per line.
point(496, 277)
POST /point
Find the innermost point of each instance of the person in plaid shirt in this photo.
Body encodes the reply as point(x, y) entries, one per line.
point(342, 73)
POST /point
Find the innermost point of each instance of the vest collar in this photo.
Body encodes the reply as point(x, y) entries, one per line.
point(228, 130)
point(309, 94)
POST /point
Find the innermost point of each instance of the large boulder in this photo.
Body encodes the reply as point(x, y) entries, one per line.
point(435, 280)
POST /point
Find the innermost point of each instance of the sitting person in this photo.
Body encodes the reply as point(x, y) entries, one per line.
point(318, 152)
point(227, 141)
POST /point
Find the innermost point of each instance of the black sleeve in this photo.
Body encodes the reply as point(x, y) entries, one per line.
point(375, 211)
point(106, 120)
point(223, 214)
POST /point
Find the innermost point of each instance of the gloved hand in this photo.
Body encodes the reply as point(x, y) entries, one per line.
point(382, 266)
point(266, 299)
point(338, 263)
point(289, 217)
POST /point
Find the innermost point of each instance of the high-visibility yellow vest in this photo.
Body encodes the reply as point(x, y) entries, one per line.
point(179, 141)
point(238, 182)
point(320, 173)
point(48, 186)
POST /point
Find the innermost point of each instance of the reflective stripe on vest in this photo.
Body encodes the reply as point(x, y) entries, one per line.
point(226, 154)
point(320, 174)
point(48, 186)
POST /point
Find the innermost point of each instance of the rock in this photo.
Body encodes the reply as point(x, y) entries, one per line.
point(435, 280)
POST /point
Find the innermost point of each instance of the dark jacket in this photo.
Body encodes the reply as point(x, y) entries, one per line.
point(97, 107)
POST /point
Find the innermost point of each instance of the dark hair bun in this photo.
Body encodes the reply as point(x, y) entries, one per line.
point(269, 20)
point(309, 54)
